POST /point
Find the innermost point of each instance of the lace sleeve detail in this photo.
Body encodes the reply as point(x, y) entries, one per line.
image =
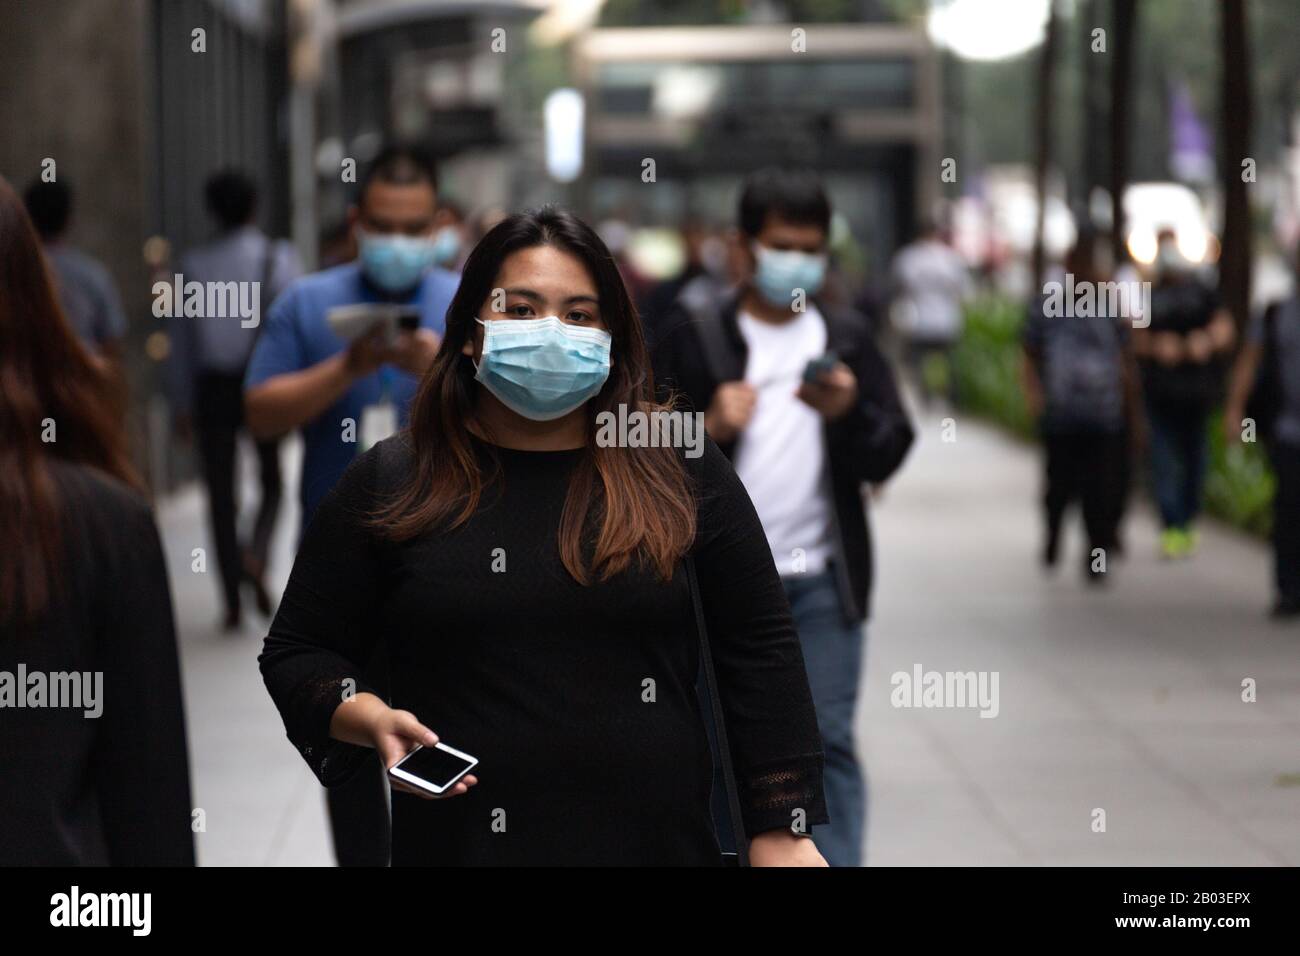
point(785, 795)
point(333, 761)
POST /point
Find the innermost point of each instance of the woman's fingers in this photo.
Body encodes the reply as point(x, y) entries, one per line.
point(406, 724)
point(462, 786)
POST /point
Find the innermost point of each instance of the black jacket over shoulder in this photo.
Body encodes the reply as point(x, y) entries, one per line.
point(699, 347)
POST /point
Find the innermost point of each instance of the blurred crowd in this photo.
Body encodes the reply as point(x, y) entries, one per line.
point(753, 323)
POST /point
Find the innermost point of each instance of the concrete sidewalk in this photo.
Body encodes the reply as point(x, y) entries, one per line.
point(262, 804)
point(1126, 698)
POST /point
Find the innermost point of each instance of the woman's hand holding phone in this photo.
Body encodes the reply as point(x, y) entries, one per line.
point(368, 721)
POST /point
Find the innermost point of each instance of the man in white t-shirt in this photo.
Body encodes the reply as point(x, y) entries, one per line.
point(800, 399)
point(781, 453)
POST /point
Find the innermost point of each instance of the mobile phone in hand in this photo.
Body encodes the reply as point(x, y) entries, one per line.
point(812, 372)
point(435, 770)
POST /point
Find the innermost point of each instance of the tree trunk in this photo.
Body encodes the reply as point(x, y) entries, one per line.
point(1092, 112)
point(1235, 106)
point(1043, 124)
point(1123, 40)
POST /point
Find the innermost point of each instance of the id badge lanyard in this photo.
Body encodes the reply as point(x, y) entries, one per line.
point(379, 420)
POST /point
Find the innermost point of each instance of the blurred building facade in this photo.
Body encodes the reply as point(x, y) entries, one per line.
point(860, 103)
point(138, 102)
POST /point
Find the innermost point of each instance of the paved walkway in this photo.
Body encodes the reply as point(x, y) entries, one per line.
point(1126, 699)
point(263, 806)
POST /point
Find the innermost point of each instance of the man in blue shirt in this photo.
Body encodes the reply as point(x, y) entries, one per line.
point(302, 375)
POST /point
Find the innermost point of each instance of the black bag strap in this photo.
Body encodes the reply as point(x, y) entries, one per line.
point(267, 276)
point(719, 355)
point(268, 265)
point(719, 721)
point(1271, 313)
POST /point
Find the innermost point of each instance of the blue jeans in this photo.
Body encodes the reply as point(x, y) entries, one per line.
point(1178, 456)
point(832, 655)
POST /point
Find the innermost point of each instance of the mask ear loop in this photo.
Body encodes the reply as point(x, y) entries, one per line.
point(471, 358)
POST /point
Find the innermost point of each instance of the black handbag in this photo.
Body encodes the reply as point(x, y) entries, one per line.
point(722, 752)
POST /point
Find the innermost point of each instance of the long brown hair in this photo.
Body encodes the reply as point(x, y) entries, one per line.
point(624, 505)
point(45, 373)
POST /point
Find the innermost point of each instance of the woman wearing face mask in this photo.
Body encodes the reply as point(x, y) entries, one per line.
point(530, 588)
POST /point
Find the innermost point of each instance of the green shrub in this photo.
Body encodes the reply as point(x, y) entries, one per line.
point(1239, 483)
point(986, 363)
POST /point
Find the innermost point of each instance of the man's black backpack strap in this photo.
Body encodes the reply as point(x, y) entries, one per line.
point(723, 750)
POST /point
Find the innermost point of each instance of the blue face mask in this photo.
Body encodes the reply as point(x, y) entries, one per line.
point(542, 368)
point(778, 273)
point(446, 246)
point(395, 263)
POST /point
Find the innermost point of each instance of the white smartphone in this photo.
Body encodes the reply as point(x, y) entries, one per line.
point(433, 769)
point(350, 322)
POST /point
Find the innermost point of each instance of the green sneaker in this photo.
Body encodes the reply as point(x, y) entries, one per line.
point(1173, 543)
point(1191, 541)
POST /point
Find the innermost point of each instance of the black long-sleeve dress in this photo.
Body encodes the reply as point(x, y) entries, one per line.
point(111, 789)
point(582, 759)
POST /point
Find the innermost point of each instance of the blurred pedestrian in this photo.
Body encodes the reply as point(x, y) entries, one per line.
point(703, 273)
point(87, 293)
point(1182, 355)
point(98, 778)
point(1264, 404)
point(304, 376)
point(207, 362)
point(529, 577)
point(449, 239)
point(798, 396)
point(931, 283)
point(1081, 386)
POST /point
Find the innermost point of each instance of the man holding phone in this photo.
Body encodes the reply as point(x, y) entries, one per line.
point(797, 395)
point(346, 396)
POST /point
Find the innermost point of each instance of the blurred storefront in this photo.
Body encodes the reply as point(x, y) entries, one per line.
point(859, 103)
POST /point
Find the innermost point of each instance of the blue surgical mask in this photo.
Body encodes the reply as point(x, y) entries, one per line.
point(542, 368)
point(778, 273)
point(446, 246)
point(395, 263)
